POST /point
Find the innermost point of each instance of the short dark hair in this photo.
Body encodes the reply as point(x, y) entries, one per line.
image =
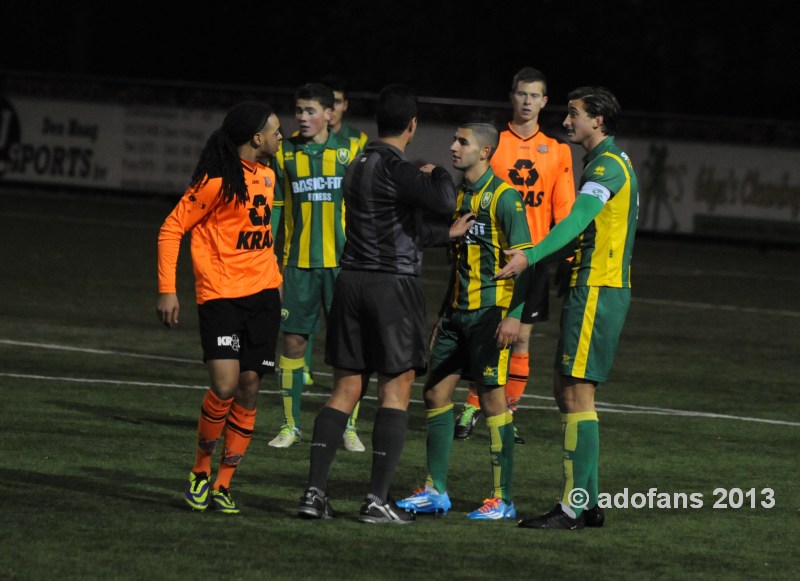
point(485, 130)
point(336, 83)
point(397, 106)
point(599, 101)
point(315, 92)
point(529, 75)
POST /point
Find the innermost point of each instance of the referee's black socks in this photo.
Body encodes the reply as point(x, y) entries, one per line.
point(328, 429)
point(388, 439)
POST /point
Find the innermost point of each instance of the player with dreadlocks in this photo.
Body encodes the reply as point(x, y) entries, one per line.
point(227, 209)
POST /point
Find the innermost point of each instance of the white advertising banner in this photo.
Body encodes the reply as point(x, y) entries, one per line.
point(161, 146)
point(59, 143)
point(697, 188)
point(147, 149)
point(701, 188)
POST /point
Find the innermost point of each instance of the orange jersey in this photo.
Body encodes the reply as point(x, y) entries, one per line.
point(233, 252)
point(540, 168)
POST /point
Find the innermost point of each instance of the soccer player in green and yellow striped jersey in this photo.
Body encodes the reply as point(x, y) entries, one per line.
point(604, 219)
point(337, 125)
point(496, 206)
point(475, 333)
point(540, 167)
point(340, 104)
point(309, 171)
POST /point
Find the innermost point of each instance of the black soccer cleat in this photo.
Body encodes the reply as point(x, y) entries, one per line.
point(315, 504)
point(377, 512)
point(465, 421)
point(555, 519)
point(593, 517)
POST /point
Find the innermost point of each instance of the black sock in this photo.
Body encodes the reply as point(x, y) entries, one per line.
point(328, 429)
point(388, 439)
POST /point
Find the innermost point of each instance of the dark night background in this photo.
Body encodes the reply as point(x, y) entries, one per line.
point(731, 59)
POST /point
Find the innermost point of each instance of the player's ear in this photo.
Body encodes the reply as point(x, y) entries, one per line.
point(544, 101)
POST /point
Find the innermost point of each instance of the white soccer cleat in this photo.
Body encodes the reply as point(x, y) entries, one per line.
point(351, 441)
point(288, 436)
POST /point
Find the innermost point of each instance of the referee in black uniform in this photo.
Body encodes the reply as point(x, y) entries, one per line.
point(377, 322)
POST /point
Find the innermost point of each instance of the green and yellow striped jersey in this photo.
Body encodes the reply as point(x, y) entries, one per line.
point(500, 224)
point(605, 248)
point(308, 188)
point(352, 133)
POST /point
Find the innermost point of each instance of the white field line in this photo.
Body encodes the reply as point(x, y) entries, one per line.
point(606, 407)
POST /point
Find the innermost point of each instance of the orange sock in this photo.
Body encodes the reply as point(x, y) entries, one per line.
point(213, 413)
point(517, 379)
point(472, 398)
point(238, 433)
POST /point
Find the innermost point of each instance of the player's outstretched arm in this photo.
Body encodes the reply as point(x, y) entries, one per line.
point(583, 212)
point(517, 263)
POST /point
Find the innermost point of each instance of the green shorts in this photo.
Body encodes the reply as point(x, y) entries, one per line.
point(591, 323)
point(466, 345)
point(306, 291)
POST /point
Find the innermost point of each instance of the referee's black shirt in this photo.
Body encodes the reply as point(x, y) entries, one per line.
point(392, 210)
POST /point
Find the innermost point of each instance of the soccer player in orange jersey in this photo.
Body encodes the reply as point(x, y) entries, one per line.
point(540, 168)
point(237, 284)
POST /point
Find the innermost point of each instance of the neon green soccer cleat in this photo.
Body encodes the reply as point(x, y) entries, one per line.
point(465, 421)
point(197, 490)
point(223, 501)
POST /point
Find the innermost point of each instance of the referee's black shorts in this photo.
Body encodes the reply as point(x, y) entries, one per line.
point(377, 324)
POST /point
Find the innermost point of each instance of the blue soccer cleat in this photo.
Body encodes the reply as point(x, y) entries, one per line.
point(426, 500)
point(494, 509)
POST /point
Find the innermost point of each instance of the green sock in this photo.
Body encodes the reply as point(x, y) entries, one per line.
point(581, 453)
point(290, 377)
point(593, 485)
point(501, 451)
point(441, 423)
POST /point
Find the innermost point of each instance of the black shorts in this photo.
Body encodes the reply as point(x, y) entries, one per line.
point(537, 301)
point(377, 324)
point(245, 329)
